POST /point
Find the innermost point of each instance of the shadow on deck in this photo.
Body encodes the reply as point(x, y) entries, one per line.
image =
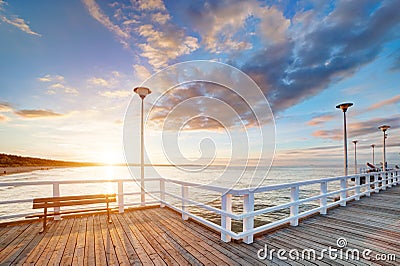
point(158, 236)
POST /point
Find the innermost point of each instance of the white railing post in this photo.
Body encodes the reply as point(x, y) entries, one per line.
point(358, 189)
point(368, 182)
point(294, 209)
point(376, 183)
point(397, 177)
point(56, 193)
point(162, 193)
point(248, 223)
point(226, 222)
point(323, 199)
point(343, 186)
point(120, 196)
point(185, 195)
point(390, 181)
point(388, 177)
point(393, 178)
point(384, 180)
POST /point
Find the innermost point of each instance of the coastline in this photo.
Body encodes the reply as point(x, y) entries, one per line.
point(5, 171)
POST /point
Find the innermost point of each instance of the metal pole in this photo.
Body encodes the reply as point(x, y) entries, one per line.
point(345, 145)
point(384, 128)
point(373, 154)
point(355, 157)
point(384, 151)
point(142, 92)
point(344, 107)
point(142, 194)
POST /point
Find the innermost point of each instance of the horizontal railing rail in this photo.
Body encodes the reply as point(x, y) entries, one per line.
point(327, 198)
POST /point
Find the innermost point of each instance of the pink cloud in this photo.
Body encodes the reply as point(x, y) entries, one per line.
point(318, 120)
point(390, 101)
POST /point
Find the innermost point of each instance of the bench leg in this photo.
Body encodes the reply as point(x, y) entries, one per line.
point(108, 212)
point(44, 221)
point(109, 218)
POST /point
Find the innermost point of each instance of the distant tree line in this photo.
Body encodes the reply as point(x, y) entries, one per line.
point(8, 160)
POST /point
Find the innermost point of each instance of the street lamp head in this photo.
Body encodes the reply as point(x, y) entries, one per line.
point(373, 145)
point(142, 91)
point(355, 141)
point(384, 128)
point(344, 106)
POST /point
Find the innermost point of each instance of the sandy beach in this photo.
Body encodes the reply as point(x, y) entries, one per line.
point(21, 169)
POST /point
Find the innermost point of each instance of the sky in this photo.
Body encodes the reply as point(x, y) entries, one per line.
point(68, 69)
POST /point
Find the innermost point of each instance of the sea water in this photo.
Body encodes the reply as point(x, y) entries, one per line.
point(234, 177)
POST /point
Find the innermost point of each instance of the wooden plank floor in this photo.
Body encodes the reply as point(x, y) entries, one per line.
point(159, 237)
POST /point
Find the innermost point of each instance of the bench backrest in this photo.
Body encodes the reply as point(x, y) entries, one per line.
point(52, 202)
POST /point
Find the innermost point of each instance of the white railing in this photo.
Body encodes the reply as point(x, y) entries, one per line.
point(374, 182)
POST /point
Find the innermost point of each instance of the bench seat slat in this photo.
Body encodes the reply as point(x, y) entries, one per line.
point(38, 215)
point(101, 196)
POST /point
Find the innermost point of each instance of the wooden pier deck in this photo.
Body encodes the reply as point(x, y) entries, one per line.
point(159, 236)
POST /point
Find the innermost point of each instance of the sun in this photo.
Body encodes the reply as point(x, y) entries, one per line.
point(110, 158)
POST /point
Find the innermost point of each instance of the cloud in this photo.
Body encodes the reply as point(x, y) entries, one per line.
point(319, 120)
point(130, 21)
point(396, 60)
point(97, 13)
point(359, 129)
point(3, 118)
point(291, 55)
point(199, 105)
point(51, 78)
point(160, 18)
point(2, 3)
point(57, 86)
point(37, 113)
point(322, 49)
point(133, 25)
point(98, 82)
point(5, 107)
point(57, 83)
point(166, 45)
point(150, 5)
point(51, 92)
point(312, 150)
point(113, 82)
point(334, 134)
point(116, 94)
point(380, 104)
point(20, 24)
point(70, 90)
point(141, 72)
point(300, 57)
point(224, 25)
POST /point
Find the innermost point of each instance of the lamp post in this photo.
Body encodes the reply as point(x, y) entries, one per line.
point(384, 128)
point(344, 107)
point(373, 153)
point(355, 156)
point(142, 92)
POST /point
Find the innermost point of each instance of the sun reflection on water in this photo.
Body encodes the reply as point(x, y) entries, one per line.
point(109, 174)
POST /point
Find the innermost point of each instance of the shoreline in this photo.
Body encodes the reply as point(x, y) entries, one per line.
point(5, 171)
point(10, 170)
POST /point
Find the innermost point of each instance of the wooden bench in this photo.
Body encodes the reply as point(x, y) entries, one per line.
point(56, 202)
